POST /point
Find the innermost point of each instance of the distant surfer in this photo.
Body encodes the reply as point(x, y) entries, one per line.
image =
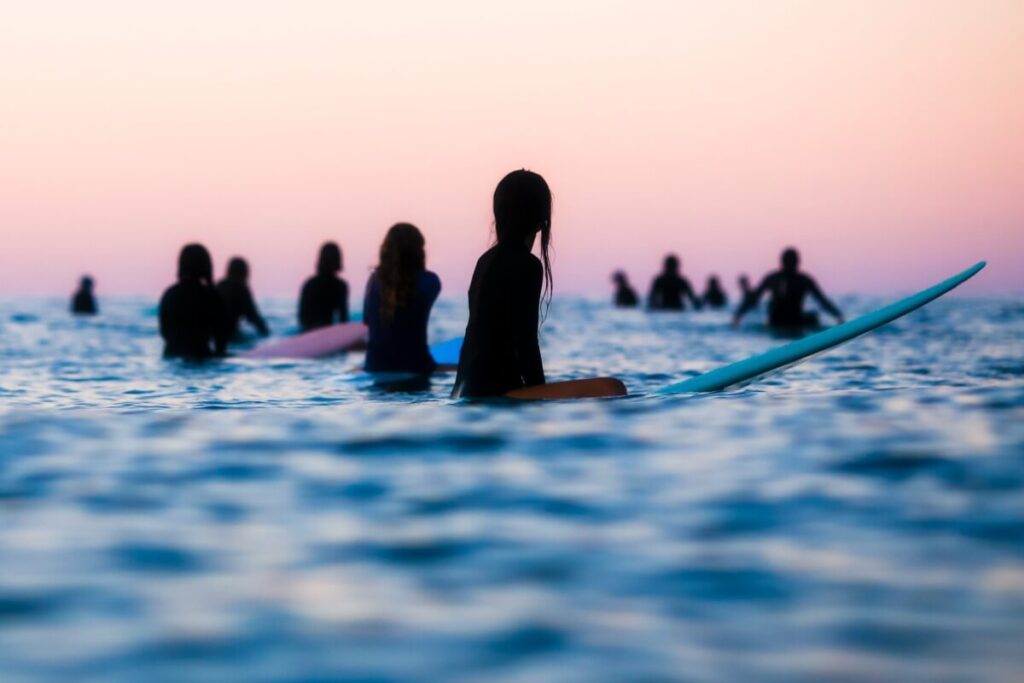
point(625, 295)
point(789, 288)
point(746, 293)
point(83, 302)
point(669, 289)
point(501, 352)
point(238, 300)
point(324, 298)
point(714, 295)
point(193, 322)
point(396, 307)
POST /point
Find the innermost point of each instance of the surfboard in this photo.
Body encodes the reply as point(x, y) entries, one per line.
point(447, 352)
point(318, 343)
point(754, 368)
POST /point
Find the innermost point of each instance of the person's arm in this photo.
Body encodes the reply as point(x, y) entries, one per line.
point(526, 322)
point(654, 296)
point(252, 314)
point(219, 326)
point(343, 301)
point(751, 301)
point(689, 293)
point(823, 301)
point(164, 315)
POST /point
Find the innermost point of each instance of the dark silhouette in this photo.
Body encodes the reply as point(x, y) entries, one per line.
point(84, 302)
point(714, 295)
point(396, 307)
point(669, 289)
point(747, 300)
point(193, 321)
point(501, 351)
point(238, 301)
point(324, 298)
point(789, 287)
point(625, 295)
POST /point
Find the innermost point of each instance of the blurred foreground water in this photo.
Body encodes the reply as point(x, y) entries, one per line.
point(857, 518)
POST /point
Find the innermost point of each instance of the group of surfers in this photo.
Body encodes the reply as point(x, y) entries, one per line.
point(500, 353)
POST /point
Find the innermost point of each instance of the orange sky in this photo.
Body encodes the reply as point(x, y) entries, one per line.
point(883, 138)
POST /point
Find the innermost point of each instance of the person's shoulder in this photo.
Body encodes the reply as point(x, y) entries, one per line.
point(170, 292)
point(430, 281)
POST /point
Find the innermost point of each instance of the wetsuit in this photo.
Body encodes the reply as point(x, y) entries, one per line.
point(501, 351)
point(83, 303)
point(192, 321)
point(667, 292)
point(625, 297)
point(324, 301)
point(238, 304)
point(714, 297)
point(786, 307)
point(400, 344)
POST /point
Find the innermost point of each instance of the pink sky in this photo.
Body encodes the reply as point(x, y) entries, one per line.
point(883, 138)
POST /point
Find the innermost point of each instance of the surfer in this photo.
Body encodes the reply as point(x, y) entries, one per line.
point(746, 293)
point(714, 295)
point(238, 301)
point(669, 289)
point(625, 295)
point(324, 298)
point(396, 308)
point(501, 352)
point(193, 322)
point(83, 302)
point(789, 287)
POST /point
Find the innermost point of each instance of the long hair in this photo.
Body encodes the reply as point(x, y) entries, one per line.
point(522, 208)
point(402, 259)
point(195, 262)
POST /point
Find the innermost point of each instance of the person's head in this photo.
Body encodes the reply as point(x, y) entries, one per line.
point(402, 259)
point(671, 265)
point(522, 209)
point(194, 263)
point(713, 282)
point(330, 259)
point(790, 260)
point(86, 283)
point(238, 270)
point(620, 279)
point(744, 283)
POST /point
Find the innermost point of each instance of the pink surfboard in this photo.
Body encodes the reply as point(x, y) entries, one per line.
point(314, 344)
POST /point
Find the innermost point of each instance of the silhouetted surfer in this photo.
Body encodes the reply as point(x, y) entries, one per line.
point(238, 301)
point(396, 307)
point(625, 295)
point(789, 287)
point(324, 298)
point(501, 352)
point(669, 289)
point(192, 317)
point(714, 295)
point(84, 302)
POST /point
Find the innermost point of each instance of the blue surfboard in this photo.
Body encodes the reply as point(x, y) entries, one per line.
point(756, 367)
point(447, 352)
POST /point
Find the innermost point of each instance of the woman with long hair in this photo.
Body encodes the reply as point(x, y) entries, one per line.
point(396, 307)
point(193, 321)
point(501, 352)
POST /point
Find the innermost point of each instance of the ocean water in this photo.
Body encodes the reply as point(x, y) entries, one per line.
point(857, 518)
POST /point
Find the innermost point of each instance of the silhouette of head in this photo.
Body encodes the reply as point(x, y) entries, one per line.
point(522, 208)
point(744, 283)
point(330, 259)
point(402, 259)
point(238, 270)
point(194, 263)
point(713, 282)
point(790, 260)
point(620, 279)
point(86, 283)
point(671, 265)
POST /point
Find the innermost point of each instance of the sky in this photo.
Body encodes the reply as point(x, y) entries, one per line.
point(883, 138)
